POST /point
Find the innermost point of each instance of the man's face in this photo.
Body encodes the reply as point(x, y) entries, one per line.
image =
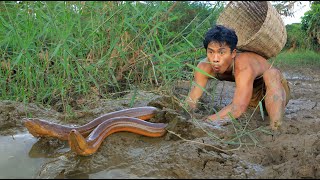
point(219, 56)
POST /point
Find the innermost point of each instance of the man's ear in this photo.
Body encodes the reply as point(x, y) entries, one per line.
point(234, 53)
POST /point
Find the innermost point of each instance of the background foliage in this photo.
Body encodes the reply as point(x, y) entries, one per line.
point(60, 51)
point(310, 24)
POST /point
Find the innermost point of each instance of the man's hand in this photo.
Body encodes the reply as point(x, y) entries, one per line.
point(192, 104)
point(213, 117)
point(220, 122)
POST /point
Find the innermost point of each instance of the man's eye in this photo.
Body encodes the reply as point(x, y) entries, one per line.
point(221, 52)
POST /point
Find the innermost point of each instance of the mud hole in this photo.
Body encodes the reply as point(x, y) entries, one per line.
point(292, 152)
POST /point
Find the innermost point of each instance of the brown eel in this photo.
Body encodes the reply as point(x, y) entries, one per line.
point(42, 128)
point(88, 146)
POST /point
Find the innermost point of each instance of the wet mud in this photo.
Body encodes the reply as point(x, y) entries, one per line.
point(191, 148)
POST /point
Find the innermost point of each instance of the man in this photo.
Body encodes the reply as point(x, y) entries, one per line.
point(254, 77)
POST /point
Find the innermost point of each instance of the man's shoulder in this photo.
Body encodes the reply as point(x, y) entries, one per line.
point(204, 63)
point(249, 56)
point(250, 65)
point(249, 60)
point(204, 60)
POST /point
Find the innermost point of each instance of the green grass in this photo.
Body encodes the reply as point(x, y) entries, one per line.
point(55, 52)
point(297, 58)
point(59, 51)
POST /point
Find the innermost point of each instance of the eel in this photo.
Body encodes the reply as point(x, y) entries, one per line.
point(43, 128)
point(89, 145)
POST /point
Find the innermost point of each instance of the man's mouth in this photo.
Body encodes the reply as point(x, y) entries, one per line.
point(215, 68)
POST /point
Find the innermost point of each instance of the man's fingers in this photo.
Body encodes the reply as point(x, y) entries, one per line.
point(223, 122)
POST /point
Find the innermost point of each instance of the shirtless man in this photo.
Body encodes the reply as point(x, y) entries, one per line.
point(253, 75)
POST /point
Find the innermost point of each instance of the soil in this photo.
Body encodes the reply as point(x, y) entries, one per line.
point(191, 148)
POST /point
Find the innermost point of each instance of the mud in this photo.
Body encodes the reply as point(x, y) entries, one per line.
point(190, 148)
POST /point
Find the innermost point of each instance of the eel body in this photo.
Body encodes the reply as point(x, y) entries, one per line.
point(43, 128)
point(89, 145)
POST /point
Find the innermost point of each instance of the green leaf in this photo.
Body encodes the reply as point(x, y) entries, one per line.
point(261, 110)
point(200, 70)
point(133, 98)
point(159, 43)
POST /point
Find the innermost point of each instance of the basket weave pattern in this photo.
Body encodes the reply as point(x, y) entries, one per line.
point(258, 26)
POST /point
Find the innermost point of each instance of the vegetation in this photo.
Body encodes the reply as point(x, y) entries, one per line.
point(58, 52)
point(300, 57)
point(296, 38)
point(310, 24)
point(54, 51)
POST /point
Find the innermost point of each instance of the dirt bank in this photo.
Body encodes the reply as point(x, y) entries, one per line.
point(201, 151)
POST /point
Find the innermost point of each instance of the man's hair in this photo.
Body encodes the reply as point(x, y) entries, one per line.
point(221, 34)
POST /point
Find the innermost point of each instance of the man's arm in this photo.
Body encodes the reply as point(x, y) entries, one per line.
point(242, 96)
point(201, 80)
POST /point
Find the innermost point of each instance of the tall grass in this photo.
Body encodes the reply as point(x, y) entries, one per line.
point(300, 57)
point(55, 51)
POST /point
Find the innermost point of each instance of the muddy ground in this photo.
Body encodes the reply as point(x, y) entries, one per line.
point(201, 151)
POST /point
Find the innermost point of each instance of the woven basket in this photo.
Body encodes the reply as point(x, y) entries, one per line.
point(258, 26)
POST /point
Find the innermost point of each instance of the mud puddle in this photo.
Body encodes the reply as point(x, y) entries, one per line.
point(22, 155)
point(14, 160)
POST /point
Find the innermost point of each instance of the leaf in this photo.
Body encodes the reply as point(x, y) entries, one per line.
point(188, 42)
point(200, 70)
point(133, 98)
point(159, 43)
point(261, 109)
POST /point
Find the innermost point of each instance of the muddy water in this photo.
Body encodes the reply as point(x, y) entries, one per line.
point(14, 160)
point(22, 155)
point(293, 152)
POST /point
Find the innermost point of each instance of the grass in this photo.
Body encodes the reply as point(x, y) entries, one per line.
point(59, 51)
point(297, 58)
point(56, 52)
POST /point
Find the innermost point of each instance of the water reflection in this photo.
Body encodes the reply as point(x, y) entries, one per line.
point(14, 159)
point(48, 148)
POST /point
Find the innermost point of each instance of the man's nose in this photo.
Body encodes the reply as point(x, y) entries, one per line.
point(215, 58)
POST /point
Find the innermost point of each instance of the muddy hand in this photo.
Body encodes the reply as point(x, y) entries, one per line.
point(220, 122)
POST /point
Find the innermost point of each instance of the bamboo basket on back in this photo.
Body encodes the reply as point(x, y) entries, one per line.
point(258, 26)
